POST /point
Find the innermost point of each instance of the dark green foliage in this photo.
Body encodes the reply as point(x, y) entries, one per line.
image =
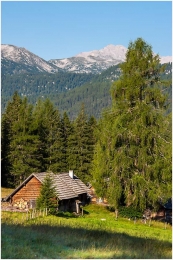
point(129, 212)
point(11, 115)
point(47, 126)
point(36, 139)
point(48, 197)
point(69, 143)
point(41, 85)
point(19, 145)
point(80, 145)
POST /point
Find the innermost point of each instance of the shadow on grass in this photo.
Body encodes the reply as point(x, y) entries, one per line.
point(49, 242)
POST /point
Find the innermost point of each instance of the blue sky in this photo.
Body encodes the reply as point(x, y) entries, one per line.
point(61, 29)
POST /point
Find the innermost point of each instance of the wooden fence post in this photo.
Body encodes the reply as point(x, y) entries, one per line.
point(150, 222)
point(116, 214)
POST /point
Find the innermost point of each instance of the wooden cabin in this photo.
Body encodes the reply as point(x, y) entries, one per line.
point(71, 191)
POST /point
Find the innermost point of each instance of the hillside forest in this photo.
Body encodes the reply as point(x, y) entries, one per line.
point(125, 153)
point(68, 90)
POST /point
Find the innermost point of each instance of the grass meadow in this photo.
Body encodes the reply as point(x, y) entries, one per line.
point(96, 235)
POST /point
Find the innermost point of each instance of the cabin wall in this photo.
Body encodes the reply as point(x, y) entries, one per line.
point(26, 197)
point(73, 205)
point(67, 205)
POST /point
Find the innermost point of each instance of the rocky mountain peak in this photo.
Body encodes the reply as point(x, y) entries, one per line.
point(85, 62)
point(19, 57)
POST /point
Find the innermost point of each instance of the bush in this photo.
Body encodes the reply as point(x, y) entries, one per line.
point(129, 212)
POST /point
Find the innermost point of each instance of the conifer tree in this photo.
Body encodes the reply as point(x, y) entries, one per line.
point(48, 197)
point(72, 150)
point(83, 149)
point(131, 162)
point(23, 145)
point(68, 142)
point(49, 130)
point(10, 116)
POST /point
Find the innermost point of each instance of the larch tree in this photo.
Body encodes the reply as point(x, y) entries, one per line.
point(132, 161)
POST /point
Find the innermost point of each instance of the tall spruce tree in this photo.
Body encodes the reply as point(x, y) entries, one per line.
point(48, 128)
point(68, 143)
point(83, 148)
point(10, 116)
point(23, 145)
point(132, 165)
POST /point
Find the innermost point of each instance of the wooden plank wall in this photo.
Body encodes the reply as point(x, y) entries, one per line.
point(28, 192)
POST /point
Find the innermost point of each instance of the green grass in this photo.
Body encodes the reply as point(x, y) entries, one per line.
point(5, 192)
point(95, 235)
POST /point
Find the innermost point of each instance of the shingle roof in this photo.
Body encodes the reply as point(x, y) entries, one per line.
point(65, 186)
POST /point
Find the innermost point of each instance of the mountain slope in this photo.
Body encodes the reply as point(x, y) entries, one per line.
point(68, 91)
point(93, 61)
point(19, 60)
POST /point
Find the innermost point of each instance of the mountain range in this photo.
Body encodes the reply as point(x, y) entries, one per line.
point(17, 60)
point(85, 78)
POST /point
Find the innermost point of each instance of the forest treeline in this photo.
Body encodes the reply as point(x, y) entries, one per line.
point(36, 138)
point(125, 154)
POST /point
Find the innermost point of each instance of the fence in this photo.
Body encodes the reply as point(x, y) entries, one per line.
point(36, 213)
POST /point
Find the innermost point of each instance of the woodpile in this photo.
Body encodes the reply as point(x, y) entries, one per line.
point(20, 204)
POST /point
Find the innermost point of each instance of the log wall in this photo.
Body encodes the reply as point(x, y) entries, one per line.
point(30, 191)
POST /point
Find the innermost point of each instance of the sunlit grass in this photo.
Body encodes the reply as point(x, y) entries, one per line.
point(5, 192)
point(95, 235)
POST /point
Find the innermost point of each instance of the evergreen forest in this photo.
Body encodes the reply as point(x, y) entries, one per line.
point(123, 150)
point(68, 90)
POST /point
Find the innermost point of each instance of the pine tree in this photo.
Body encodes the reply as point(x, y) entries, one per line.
point(83, 149)
point(67, 132)
point(48, 128)
point(131, 161)
point(9, 118)
point(72, 150)
point(23, 145)
point(48, 197)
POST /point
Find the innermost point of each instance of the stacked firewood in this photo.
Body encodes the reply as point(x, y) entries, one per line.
point(20, 204)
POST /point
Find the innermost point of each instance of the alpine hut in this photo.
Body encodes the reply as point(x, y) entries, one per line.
point(71, 191)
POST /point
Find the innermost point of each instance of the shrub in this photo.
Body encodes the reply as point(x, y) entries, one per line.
point(129, 212)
